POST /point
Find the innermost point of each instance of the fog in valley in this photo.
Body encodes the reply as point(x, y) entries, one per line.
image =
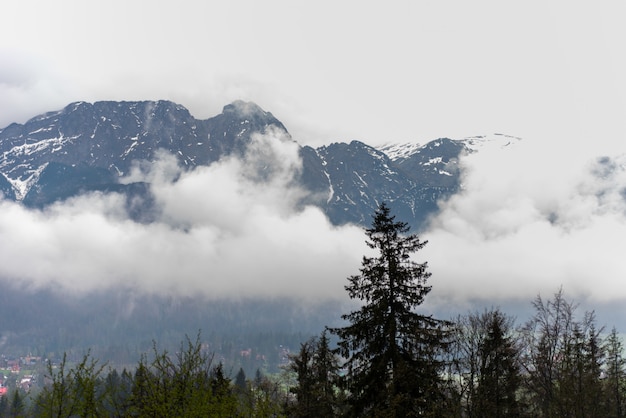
point(233, 231)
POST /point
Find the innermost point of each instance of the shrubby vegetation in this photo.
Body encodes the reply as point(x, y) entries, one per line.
point(387, 361)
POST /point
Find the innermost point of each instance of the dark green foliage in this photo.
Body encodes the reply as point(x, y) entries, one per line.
point(240, 380)
point(17, 404)
point(317, 378)
point(499, 370)
point(392, 351)
point(4, 406)
point(301, 365)
point(258, 378)
point(118, 388)
point(484, 365)
point(13, 403)
point(326, 371)
point(615, 382)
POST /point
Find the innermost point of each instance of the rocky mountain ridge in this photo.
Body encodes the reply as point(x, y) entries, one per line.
point(90, 147)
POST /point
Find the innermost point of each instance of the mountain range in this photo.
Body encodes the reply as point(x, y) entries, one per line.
point(88, 147)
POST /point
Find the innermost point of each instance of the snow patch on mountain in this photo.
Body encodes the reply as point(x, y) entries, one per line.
point(399, 151)
point(23, 185)
point(492, 141)
point(435, 160)
point(26, 149)
point(331, 190)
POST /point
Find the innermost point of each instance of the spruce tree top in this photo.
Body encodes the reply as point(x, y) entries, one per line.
point(390, 370)
point(393, 265)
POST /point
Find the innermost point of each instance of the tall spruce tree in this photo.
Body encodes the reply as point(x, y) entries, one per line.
point(392, 351)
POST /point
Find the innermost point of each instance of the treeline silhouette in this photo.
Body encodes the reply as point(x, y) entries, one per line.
point(554, 365)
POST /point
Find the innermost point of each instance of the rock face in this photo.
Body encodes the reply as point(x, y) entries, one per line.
point(111, 135)
point(88, 147)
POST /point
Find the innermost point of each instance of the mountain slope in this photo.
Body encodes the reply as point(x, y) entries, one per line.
point(114, 134)
point(90, 147)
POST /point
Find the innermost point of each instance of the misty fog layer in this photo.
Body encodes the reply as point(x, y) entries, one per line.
point(219, 232)
point(528, 220)
point(531, 219)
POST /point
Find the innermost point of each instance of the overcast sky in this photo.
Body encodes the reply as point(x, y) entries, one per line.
point(399, 71)
point(552, 73)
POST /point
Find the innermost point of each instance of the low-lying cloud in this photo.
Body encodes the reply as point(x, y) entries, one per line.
point(525, 223)
point(529, 221)
point(219, 232)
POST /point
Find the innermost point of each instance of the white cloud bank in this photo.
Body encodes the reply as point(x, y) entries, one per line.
point(220, 233)
point(531, 220)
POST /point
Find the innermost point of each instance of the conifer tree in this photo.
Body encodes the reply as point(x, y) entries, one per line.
point(499, 370)
point(240, 380)
point(317, 375)
point(391, 351)
point(302, 365)
point(615, 382)
point(4, 405)
point(17, 404)
point(326, 373)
